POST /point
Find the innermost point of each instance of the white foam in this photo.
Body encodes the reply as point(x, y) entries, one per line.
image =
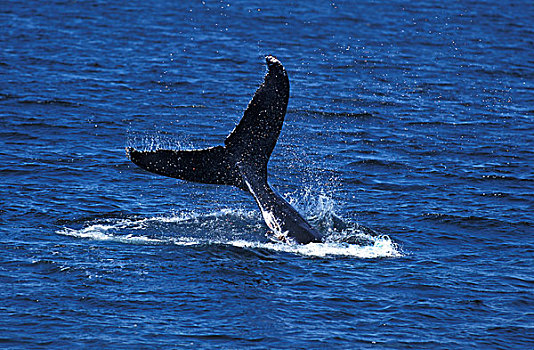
point(382, 248)
point(120, 230)
point(99, 233)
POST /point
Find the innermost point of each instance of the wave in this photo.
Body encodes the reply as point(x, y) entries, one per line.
point(52, 101)
point(237, 228)
point(332, 114)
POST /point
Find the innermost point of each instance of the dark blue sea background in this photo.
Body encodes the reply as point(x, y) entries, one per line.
point(408, 141)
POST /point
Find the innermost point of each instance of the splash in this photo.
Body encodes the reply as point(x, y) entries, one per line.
point(382, 247)
point(232, 227)
point(155, 141)
point(321, 212)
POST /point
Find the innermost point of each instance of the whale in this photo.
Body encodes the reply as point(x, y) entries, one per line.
point(242, 160)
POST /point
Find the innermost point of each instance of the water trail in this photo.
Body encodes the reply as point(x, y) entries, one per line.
point(242, 229)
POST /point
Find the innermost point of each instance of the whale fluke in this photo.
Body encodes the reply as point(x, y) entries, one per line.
point(242, 161)
point(209, 166)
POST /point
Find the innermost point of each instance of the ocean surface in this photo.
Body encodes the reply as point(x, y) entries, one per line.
point(408, 142)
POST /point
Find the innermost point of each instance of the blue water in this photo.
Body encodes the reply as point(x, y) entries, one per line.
point(409, 122)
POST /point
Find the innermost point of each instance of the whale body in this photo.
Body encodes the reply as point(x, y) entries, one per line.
point(242, 161)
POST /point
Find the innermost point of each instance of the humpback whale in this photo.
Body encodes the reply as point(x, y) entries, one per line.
point(242, 161)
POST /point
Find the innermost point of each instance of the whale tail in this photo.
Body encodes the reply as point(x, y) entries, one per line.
point(249, 145)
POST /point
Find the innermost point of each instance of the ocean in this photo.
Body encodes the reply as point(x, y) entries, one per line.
point(407, 142)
